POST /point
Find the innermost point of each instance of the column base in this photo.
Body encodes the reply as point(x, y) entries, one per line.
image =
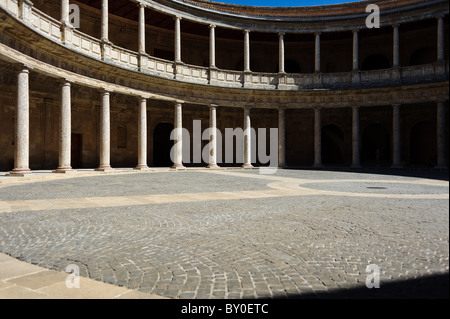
point(20, 172)
point(213, 166)
point(177, 166)
point(396, 166)
point(64, 171)
point(441, 167)
point(142, 168)
point(104, 169)
point(318, 166)
point(356, 166)
point(247, 166)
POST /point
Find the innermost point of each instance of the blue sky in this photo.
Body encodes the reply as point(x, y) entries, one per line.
point(284, 3)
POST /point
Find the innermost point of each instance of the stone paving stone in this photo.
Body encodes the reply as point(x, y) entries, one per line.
point(246, 248)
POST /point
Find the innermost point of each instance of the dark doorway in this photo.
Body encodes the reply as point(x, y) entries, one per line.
point(376, 146)
point(77, 151)
point(332, 145)
point(162, 144)
point(423, 146)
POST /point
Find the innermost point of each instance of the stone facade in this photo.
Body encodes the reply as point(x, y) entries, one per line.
point(345, 100)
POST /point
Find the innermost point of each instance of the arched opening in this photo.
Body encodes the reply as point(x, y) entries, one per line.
point(375, 62)
point(162, 144)
point(423, 148)
point(423, 56)
point(332, 145)
point(376, 146)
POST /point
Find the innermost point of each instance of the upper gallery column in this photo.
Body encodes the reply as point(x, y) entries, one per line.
point(105, 22)
point(317, 52)
point(396, 47)
point(141, 30)
point(178, 136)
point(177, 39)
point(247, 139)
point(355, 50)
point(441, 136)
point(281, 52)
point(65, 12)
point(22, 129)
point(105, 133)
point(247, 51)
point(212, 46)
point(65, 129)
point(142, 135)
point(440, 39)
point(212, 136)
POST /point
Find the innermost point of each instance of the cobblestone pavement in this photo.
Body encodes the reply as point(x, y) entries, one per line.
point(233, 233)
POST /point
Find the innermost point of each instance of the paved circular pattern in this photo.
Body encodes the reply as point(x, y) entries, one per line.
point(276, 246)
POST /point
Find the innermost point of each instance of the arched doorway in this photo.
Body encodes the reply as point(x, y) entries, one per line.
point(162, 144)
point(376, 145)
point(332, 145)
point(375, 62)
point(422, 145)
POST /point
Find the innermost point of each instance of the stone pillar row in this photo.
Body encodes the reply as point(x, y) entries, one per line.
point(212, 54)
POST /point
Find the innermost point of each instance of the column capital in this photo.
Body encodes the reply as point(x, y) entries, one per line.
point(247, 107)
point(246, 31)
point(105, 91)
point(177, 18)
point(355, 30)
point(212, 26)
point(179, 102)
point(141, 5)
point(213, 105)
point(317, 33)
point(21, 67)
point(282, 108)
point(281, 34)
point(440, 16)
point(396, 25)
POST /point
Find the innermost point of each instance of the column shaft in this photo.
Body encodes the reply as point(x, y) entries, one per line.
point(141, 35)
point(65, 130)
point(396, 159)
point(282, 136)
point(177, 39)
point(441, 136)
point(355, 138)
point(212, 46)
point(440, 39)
point(281, 52)
point(22, 129)
point(65, 11)
point(317, 138)
point(247, 139)
point(178, 146)
point(105, 22)
point(247, 51)
point(212, 136)
point(396, 47)
point(142, 135)
point(317, 53)
point(355, 50)
point(105, 133)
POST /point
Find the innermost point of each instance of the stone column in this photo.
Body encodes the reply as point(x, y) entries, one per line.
point(65, 12)
point(440, 39)
point(22, 129)
point(355, 138)
point(178, 129)
point(441, 136)
point(247, 139)
point(396, 47)
point(141, 30)
point(281, 52)
point(65, 130)
point(247, 51)
point(355, 50)
point(212, 136)
point(317, 52)
point(142, 135)
point(396, 134)
point(212, 46)
point(178, 39)
point(282, 136)
point(105, 133)
point(317, 138)
point(104, 21)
